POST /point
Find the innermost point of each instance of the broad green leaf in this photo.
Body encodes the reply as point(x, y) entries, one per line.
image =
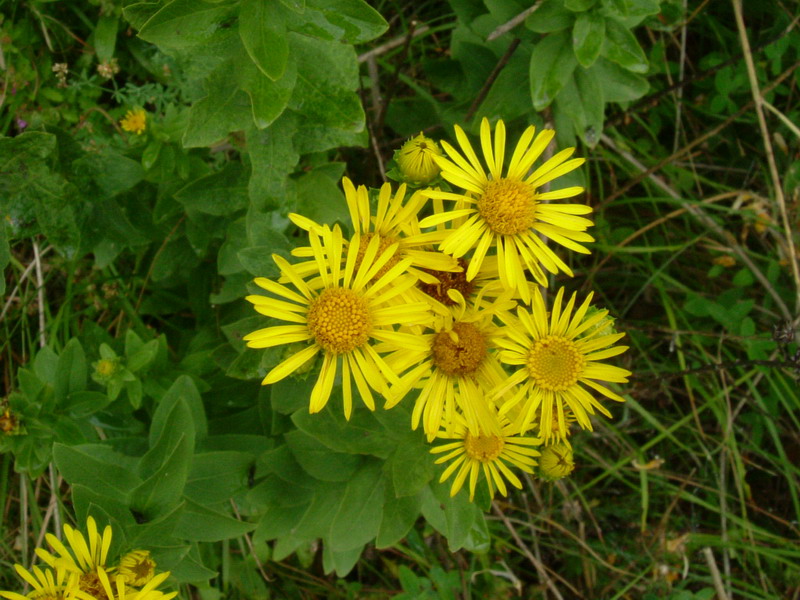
point(258, 259)
point(174, 424)
point(162, 490)
point(111, 172)
point(411, 466)
point(279, 521)
point(182, 389)
point(143, 357)
point(399, 516)
point(220, 194)
point(55, 212)
point(316, 521)
point(71, 371)
point(79, 465)
point(197, 523)
point(82, 404)
point(263, 33)
point(327, 80)
point(268, 98)
point(292, 393)
point(280, 462)
point(186, 23)
point(582, 100)
point(579, 5)
point(341, 562)
point(319, 198)
point(362, 504)
point(452, 517)
point(298, 6)
point(216, 476)
point(273, 158)
point(105, 37)
point(45, 365)
point(622, 47)
point(85, 499)
point(351, 21)
point(504, 97)
point(139, 13)
point(311, 138)
point(588, 34)
point(552, 63)
point(226, 108)
point(619, 85)
point(551, 16)
point(318, 460)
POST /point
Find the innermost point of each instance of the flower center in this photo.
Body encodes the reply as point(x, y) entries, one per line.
point(554, 363)
point(383, 244)
point(339, 320)
point(508, 206)
point(448, 281)
point(485, 448)
point(91, 584)
point(460, 350)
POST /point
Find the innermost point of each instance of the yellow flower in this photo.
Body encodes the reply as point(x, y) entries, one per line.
point(134, 121)
point(82, 557)
point(48, 585)
point(416, 161)
point(340, 317)
point(507, 211)
point(137, 567)
point(556, 462)
point(558, 360)
point(394, 223)
point(119, 590)
point(454, 367)
point(489, 453)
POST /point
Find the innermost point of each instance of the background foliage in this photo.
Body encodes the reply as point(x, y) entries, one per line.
point(138, 249)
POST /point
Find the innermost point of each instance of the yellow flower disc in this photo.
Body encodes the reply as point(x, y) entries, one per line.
point(507, 206)
point(485, 448)
point(459, 351)
point(339, 320)
point(555, 363)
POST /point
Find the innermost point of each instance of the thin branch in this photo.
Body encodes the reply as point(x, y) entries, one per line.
point(492, 77)
point(25, 274)
point(37, 261)
point(758, 99)
point(715, 576)
point(509, 25)
point(392, 44)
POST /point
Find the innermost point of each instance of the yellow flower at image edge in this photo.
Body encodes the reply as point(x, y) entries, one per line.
point(557, 360)
point(485, 453)
point(134, 121)
point(416, 160)
point(47, 585)
point(507, 211)
point(341, 319)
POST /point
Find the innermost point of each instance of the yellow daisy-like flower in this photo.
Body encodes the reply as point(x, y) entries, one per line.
point(48, 585)
point(454, 367)
point(82, 557)
point(137, 567)
point(487, 453)
point(119, 589)
point(506, 210)
point(134, 121)
point(340, 319)
point(416, 159)
point(558, 360)
point(394, 223)
point(556, 462)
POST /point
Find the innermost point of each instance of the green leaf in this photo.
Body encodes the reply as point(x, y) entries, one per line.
point(70, 371)
point(197, 523)
point(217, 476)
point(263, 33)
point(80, 465)
point(162, 491)
point(320, 199)
point(582, 100)
point(352, 21)
point(273, 158)
point(86, 501)
point(316, 521)
point(184, 24)
point(318, 460)
point(361, 435)
point(105, 37)
point(182, 389)
point(342, 562)
point(258, 259)
point(327, 80)
point(619, 85)
point(551, 16)
point(588, 35)
point(219, 194)
point(143, 357)
point(174, 424)
point(579, 5)
point(268, 98)
point(552, 64)
point(84, 403)
point(5, 257)
point(362, 504)
point(411, 466)
point(399, 516)
point(225, 108)
point(621, 47)
point(453, 517)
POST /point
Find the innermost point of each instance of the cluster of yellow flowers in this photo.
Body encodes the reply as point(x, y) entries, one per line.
point(81, 572)
point(442, 307)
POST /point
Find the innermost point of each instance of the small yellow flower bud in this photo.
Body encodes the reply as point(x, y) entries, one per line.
point(134, 121)
point(556, 462)
point(415, 159)
point(137, 567)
